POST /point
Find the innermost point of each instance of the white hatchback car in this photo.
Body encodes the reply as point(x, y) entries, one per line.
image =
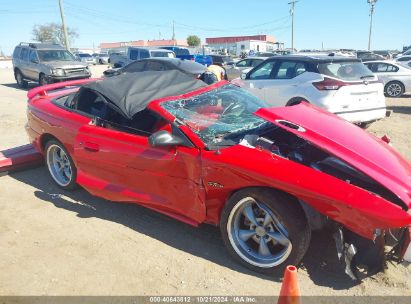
point(341, 85)
point(395, 75)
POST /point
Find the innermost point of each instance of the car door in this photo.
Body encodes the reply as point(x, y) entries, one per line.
point(235, 70)
point(259, 79)
point(285, 83)
point(24, 58)
point(383, 70)
point(122, 166)
point(32, 69)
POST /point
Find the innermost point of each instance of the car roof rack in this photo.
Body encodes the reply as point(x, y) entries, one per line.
point(29, 44)
point(40, 45)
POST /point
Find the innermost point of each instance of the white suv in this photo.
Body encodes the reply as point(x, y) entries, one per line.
point(341, 85)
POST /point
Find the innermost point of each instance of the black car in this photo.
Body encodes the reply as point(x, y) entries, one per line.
point(159, 64)
point(221, 60)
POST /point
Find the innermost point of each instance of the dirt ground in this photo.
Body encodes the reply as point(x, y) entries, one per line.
point(54, 242)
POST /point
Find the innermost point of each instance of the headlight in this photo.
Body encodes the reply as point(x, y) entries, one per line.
point(58, 72)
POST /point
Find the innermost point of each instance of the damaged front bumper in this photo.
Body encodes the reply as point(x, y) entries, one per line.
point(356, 252)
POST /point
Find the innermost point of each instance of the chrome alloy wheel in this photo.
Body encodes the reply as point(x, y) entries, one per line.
point(59, 165)
point(257, 235)
point(394, 89)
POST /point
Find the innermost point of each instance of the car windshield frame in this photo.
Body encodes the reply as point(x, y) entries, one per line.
point(64, 55)
point(219, 117)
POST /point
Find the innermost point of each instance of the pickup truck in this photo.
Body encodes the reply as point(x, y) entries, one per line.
point(121, 59)
point(184, 53)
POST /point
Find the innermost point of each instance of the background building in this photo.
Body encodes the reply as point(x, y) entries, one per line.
point(237, 44)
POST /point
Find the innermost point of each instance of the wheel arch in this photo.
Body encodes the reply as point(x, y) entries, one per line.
point(314, 219)
point(296, 100)
point(46, 137)
point(394, 80)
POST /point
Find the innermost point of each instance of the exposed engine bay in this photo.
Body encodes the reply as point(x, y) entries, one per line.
point(287, 145)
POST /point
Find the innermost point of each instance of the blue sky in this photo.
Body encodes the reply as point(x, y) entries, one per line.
point(333, 23)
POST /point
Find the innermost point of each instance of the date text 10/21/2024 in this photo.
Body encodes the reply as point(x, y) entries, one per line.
point(202, 299)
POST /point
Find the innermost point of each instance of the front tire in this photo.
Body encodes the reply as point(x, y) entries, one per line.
point(43, 80)
point(60, 165)
point(394, 89)
point(20, 80)
point(265, 230)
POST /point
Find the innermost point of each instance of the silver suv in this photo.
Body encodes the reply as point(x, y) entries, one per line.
point(46, 63)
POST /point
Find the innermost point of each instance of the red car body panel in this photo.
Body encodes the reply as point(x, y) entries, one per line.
point(123, 167)
point(355, 208)
point(192, 184)
point(367, 153)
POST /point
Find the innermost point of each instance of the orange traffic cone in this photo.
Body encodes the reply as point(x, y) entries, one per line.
point(290, 291)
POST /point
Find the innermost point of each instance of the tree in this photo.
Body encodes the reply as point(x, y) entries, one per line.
point(193, 40)
point(52, 33)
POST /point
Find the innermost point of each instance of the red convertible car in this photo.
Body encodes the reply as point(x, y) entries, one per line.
point(216, 154)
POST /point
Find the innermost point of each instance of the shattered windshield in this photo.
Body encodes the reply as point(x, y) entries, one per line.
point(216, 114)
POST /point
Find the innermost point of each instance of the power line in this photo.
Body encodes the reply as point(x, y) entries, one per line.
point(109, 16)
point(123, 19)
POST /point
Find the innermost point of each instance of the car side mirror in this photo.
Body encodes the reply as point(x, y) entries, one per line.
point(34, 61)
point(164, 139)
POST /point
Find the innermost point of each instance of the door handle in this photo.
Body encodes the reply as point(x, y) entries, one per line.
point(91, 147)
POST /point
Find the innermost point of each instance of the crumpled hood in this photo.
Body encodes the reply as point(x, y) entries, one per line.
point(65, 64)
point(348, 142)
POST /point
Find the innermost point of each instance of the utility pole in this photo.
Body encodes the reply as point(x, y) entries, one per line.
point(293, 2)
point(372, 4)
point(66, 40)
point(174, 35)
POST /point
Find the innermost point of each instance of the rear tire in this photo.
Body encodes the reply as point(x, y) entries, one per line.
point(394, 89)
point(265, 230)
point(60, 165)
point(365, 125)
point(20, 80)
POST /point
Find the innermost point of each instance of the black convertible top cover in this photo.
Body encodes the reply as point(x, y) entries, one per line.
point(132, 92)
